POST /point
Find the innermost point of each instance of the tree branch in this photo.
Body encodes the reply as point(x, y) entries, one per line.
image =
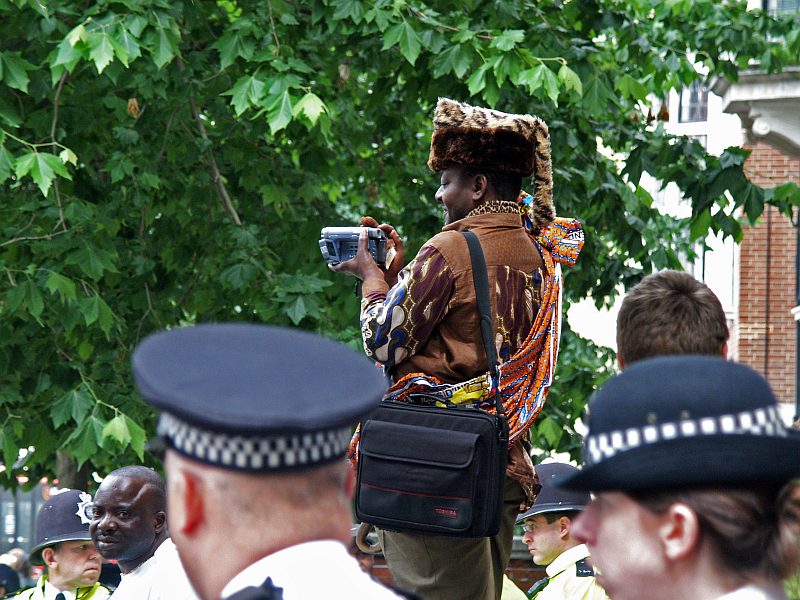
point(56, 101)
point(219, 184)
point(29, 238)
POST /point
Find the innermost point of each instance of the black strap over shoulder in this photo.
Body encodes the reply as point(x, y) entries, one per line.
point(480, 279)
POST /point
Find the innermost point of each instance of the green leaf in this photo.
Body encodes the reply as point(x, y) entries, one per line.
point(10, 447)
point(88, 440)
point(94, 309)
point(232, 45)
point(68, 55)
point(405, 35)
point(349, 9)
point(477, 81)
point(700, 225)
point(296, 310)
point(596, 97)
point(15, 71)
point(631, 88)
point(570, 79)
point(6, 164)
point(311, 106)
point(245, 92)
point(508, 39)
point(455, 59)
point(63, 285)
point(78, 34)
point(165, 49)
point(100, 51)
point(538, 77)
point(279, 113)
point(138, 436)
point(85, 349)
point(43, 167)
point(125, 45)
point(92, 260)
point(75, 404)
point(117, 429)
point(550, 430)
point(68, 156)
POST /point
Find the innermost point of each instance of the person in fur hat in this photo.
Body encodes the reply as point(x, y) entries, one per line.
point(421, 321)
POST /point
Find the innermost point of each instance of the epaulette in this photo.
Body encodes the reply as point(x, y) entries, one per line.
point(583, 568)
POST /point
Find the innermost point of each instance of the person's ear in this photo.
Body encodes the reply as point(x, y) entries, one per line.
point(190, 503)
point(480, 185)
point(160, 519)
point(564, 527)
point(49, 557)
point(679, 531)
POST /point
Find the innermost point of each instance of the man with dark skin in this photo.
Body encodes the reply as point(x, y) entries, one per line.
point(129, 525)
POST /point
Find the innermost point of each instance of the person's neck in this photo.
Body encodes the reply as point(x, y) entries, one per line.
point(58, 584)
point(250, 551)
point(131, 565)
point(700, 577)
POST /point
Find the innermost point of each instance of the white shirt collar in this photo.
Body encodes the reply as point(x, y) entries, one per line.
point(50, 592)
point(567, 558)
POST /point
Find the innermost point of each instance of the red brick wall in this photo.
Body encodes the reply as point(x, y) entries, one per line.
point(766, 330)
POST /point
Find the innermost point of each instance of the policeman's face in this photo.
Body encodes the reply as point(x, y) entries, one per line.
point(126, 518)
point(626, 551)
point(72, 565)
point(456, 194)
point(545, 540)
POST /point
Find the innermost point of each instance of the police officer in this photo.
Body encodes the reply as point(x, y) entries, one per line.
point(256, 421)
point(548, 534)
point(63, 545)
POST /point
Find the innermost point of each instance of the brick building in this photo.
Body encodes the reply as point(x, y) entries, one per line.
point(766, 330)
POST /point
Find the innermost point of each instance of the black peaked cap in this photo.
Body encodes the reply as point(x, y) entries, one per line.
point(255, 397)
point(685, 421)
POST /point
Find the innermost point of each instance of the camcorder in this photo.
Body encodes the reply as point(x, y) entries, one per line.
point(339, 244)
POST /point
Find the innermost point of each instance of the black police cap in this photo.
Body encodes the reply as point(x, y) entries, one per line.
point(552, 498)
point(255, 398)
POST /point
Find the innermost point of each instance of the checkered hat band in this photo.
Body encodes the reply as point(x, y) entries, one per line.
point(763, 422)
point(254, 453)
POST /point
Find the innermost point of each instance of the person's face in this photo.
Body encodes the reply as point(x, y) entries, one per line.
point(623, 540)
point(456, 194)
point(74, 564)
point(545, 540)
point(125, 518)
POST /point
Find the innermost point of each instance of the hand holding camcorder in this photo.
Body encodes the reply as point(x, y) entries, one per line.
point(339, 244)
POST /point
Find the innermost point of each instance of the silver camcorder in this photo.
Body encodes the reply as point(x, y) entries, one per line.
point(339, 244)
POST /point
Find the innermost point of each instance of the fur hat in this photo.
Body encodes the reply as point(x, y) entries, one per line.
point(470, 136)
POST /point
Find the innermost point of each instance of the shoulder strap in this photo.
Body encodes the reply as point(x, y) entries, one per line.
point(481, 281)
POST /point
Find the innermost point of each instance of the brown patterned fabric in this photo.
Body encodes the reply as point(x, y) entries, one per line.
point(429, 321)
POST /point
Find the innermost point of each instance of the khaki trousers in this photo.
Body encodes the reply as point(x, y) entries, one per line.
point(449, 568)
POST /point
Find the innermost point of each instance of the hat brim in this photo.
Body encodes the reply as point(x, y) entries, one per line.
point(35, 556)
point(697, 462)
point(549, 508)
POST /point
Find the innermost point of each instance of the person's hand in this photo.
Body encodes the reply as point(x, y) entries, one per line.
point(394, 245)
point(362, 264)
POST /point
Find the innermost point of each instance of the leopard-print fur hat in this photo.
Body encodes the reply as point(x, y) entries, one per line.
point(470, 136)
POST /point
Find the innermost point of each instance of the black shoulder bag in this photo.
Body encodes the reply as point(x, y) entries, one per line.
point(437, 470)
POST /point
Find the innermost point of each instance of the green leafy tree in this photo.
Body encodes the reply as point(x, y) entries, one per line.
point(165, 162)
